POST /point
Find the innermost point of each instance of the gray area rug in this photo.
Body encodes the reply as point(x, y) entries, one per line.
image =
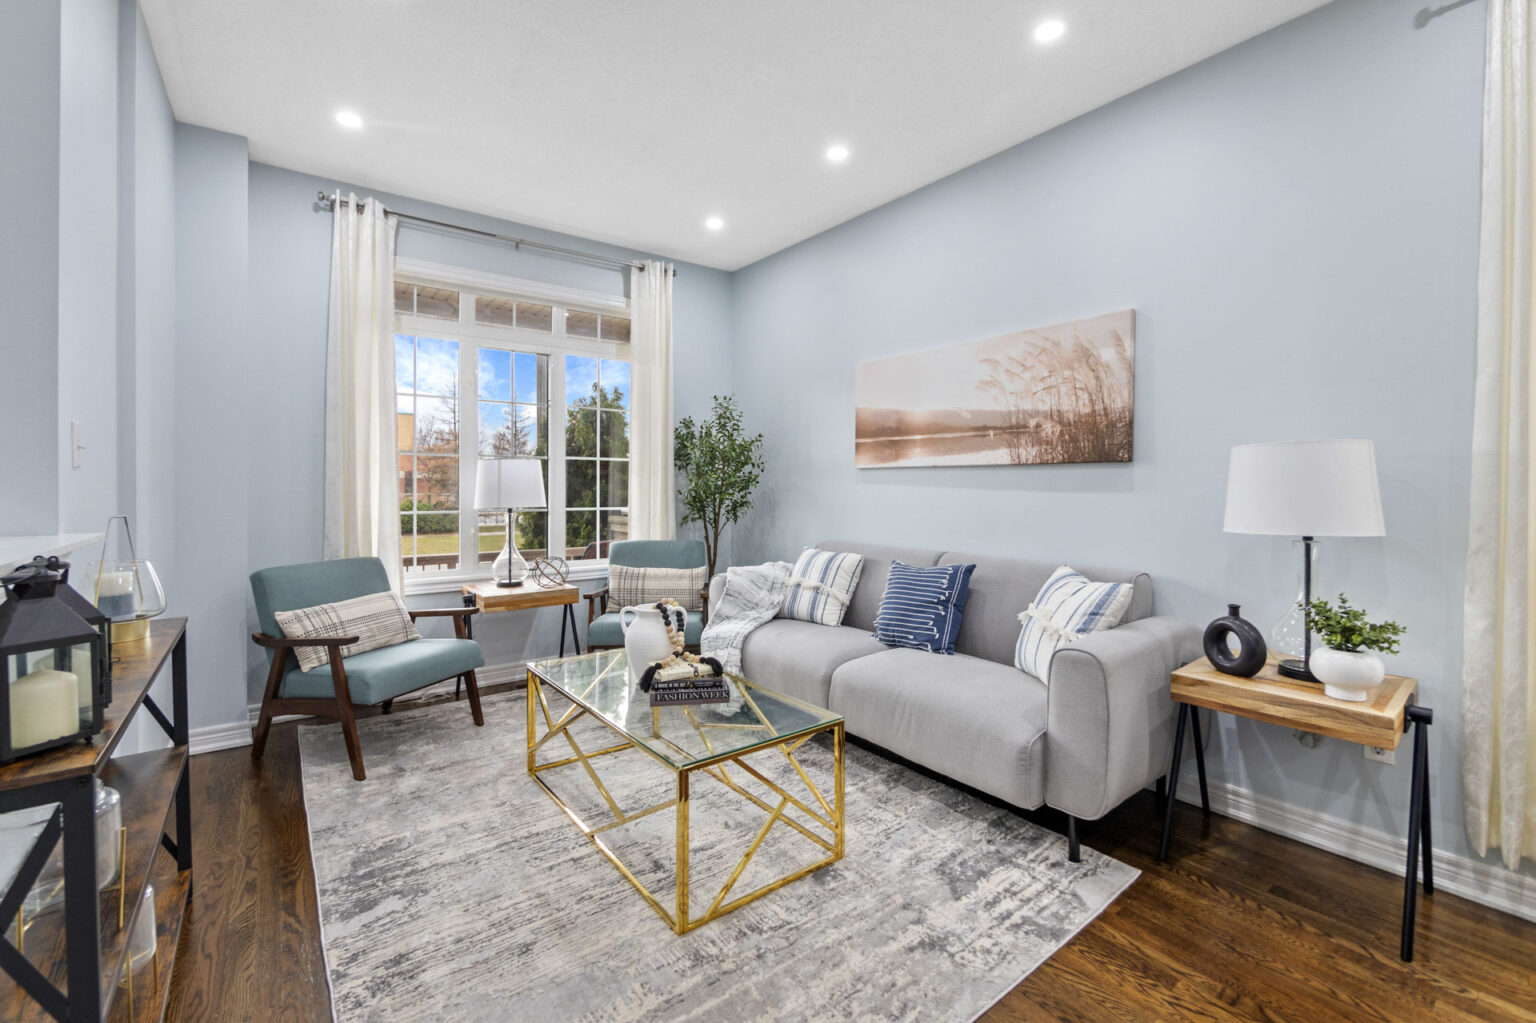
point(451, 887)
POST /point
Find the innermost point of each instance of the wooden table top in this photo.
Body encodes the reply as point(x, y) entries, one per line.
point(134, 667)
point(490, 598)
point(1270, 696)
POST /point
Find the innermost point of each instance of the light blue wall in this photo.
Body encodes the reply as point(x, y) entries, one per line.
point(1295, 223)
point(290, 246)
point(215, 395)
point(29, 264)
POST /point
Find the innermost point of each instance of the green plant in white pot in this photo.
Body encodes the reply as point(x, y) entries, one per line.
point(1348, 665)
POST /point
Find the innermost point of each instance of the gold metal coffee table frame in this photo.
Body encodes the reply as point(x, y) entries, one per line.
point(825, 826)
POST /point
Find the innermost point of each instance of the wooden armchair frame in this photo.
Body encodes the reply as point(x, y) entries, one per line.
point(340, 707)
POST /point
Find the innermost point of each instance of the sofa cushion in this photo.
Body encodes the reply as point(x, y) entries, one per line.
point(605, 630)
point(1068, 607)
point(923, 607)
point(820, 586)
point(799, 658)
point(980, 723)
point(383, 674)
point(630, 587)
point(1003, 587)
point(376, 619)
point(877, 566)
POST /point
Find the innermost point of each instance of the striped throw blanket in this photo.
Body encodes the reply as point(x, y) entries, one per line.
point(753, 596)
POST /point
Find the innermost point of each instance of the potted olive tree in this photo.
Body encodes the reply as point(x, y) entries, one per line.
point(720, 466)
point(1348, 665)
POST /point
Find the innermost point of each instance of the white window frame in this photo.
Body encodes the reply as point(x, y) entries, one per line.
point(470, 335)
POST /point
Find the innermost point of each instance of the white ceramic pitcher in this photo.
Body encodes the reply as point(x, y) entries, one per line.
point(645, 637)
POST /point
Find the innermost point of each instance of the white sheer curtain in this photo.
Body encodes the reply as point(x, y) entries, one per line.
point(362, 507)
point(1498, 700)
point(652, 482)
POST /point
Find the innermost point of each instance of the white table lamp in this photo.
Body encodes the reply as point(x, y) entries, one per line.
point(513, 484)
point(1306, 489)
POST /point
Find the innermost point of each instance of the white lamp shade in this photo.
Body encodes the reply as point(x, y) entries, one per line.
point(509, 483)
point(1304, 488)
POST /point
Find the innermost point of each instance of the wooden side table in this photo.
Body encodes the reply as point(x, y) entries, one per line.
point(1380, 721)
point(493, 599)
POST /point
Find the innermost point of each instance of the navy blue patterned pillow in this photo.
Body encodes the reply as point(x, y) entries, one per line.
point(922, 607)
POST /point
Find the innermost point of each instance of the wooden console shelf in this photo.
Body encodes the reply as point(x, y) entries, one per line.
point(156, 808)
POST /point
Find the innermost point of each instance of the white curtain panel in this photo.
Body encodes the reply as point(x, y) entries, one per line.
point(1498, 701)
point(362, 506)
point(652, 482)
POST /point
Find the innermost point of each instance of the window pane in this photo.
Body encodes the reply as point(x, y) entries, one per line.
point(439, 303)
point(580, 324)
point(405, 423)
point(530, 378)
point(615, 383)
point(615, 526)
point(615, 328)
point(580, 381)
point(581, 433)
point(492, 536)
point(437, 485)
point(407, 539)
point(530, 425)
point(407, 476)
point(615, 484)
point(496, 439)
point(580, 534)
point(533, 316)
point(533, 534)
point(495, 311)
point(614, 437)
point(580, 483)
point(405, 363)
point(437, 425)
point(437, 540)
point(495, 374)
point(437, 367)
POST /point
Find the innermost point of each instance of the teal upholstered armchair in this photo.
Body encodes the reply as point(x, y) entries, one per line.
point(365, 679)
point(603, 628)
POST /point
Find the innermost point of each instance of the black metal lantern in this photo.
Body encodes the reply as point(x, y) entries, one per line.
point(50, 665)
point(93, 616)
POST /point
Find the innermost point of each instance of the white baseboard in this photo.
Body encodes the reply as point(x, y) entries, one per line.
point(1488, 884)
point(233, 734)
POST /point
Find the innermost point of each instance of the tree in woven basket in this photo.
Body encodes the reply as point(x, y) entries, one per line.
point(720, 466)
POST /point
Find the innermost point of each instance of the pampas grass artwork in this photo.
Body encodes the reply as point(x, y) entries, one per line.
point(1055, 394)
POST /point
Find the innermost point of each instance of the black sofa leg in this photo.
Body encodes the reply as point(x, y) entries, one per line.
point(1074, 852)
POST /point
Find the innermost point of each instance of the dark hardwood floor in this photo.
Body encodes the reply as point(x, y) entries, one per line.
point(1241, 924)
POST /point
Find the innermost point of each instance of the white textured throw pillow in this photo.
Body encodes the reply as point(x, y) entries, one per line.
point(377, 620)
point(1067, 608)
point(629, 586)
point(821, 585)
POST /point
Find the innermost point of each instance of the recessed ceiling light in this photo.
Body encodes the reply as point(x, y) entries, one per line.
point(1050, 31)
point(837, 153)
point(714, 223)
point(348, 119)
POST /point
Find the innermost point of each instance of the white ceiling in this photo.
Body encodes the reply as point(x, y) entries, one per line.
point(631, 122)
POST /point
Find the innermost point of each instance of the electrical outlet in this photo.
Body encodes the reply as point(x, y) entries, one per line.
point(1380, 755)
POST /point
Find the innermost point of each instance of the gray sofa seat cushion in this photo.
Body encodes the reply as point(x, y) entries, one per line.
point(980, 723)
point(1003, 587)
point(799, 658)
point(877, 568)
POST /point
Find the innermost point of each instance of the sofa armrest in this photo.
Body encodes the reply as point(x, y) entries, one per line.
point(716, 590)
point(1109, 718)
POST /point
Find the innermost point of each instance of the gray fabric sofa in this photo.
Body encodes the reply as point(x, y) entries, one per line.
point(1099, 732)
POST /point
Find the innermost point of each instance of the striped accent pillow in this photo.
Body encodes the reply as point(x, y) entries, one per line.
point(821, 585)
point(630, 587)
point(1067, 608)
point(377, 620)
point(922, 607)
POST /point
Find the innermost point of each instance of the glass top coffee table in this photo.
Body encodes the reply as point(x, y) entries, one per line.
point(712, 740)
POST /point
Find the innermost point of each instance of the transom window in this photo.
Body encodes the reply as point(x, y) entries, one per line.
point(488, 373)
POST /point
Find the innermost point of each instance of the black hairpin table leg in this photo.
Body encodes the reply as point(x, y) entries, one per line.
point(1418, 827)
point(1173, 781)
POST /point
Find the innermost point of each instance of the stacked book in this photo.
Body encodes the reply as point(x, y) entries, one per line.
point(687, 691)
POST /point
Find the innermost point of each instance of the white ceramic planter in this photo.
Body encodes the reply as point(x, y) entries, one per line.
point(1347, 675)
point(645, 638)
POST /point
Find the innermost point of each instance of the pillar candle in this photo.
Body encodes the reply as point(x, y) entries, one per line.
point(114, 596)
point(44, 706)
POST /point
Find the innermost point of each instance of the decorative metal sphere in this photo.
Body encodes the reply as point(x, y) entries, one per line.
point(551, 572)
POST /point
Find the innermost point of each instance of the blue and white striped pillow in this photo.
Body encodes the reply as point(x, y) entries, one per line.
point(1067, 608)
point(922, 607)
point(821, 585)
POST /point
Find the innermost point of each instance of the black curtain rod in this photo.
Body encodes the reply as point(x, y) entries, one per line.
point(328, 202)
